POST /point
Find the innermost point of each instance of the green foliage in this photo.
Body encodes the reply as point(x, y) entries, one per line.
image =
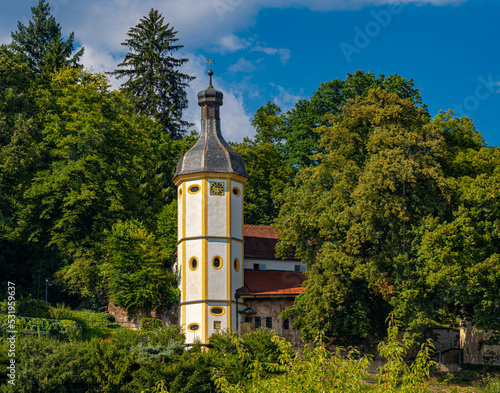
point(79, 161)
point(93, 324)
point(28, 307)
point(110, 366)
point(396, 375)
point(160, 387)
point(153, 78)
point(296, 131)
point(46, 365)
point(134, 268)
point(379, 171)
point(150, 323)
point(490, 384)
point(268, 177)
point(41, 43)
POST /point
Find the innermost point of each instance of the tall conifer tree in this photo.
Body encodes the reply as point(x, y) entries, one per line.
point(153, 77)
point(41, 43)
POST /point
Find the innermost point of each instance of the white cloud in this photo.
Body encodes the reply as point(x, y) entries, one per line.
point(235, 121)
point(285, 98)
point(200, 23)
point(233, 43)
point(101, 61)
point(242, 65)
point(282, 52)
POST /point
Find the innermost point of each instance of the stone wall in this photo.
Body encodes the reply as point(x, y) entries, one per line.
point(472, 341)
point(132, 320)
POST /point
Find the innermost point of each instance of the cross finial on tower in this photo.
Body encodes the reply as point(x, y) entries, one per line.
point(210, 72)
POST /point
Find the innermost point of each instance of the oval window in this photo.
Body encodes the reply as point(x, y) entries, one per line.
point(217, 311)
point(217, 262)
point(193, 263)
point(236, 191)
point(194, 189)
point(194, 327)
point(180, 192)
point(236, 264)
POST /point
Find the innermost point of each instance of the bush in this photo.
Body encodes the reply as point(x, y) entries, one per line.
point(150, 323)
point(93, 324)
point(484, 368)
point(490, 384)
point(27, 307)
point(46, 365)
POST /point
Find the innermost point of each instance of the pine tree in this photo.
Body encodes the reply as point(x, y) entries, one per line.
point(153, 77)
point(41, 42)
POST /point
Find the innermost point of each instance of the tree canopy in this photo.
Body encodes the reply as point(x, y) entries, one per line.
point(364, 216)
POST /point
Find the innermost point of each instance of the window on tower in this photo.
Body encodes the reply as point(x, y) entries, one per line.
point(193, 263)
point(217, 262)
point(269, 322)
point(217, 311)
point(216, 188)
point(194, 189)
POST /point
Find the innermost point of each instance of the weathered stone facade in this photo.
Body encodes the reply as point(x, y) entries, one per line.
point(272, 307)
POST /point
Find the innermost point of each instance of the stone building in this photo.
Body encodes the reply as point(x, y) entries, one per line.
point(270, 284)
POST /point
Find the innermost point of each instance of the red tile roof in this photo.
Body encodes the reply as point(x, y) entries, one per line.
point(265, 283)
point(260, 241)
point(262, 231)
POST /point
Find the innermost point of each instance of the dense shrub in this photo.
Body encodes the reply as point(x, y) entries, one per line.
point(47, 365)
point(92, 323)
point(150, 324)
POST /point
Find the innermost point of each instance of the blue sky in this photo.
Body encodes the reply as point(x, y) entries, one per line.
point(282, 50)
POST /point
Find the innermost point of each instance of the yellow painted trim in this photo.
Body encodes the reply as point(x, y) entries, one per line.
point(221, 262)
point(209, 175)
point(242, 236)
point(190, 330)
point(217, 315)
point(229, 282)
point(184, 270)
point(204, 223)
point(197, 263)
point(190, 189)
point(184, 211)
point(229, 318)
point(183, 316)
point(228, 208)
point(210, 237)
point(204, 326)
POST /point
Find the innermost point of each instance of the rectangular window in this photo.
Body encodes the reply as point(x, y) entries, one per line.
point(248, 319)
point(269, 322)
point(297, 268)
point(255, 266)
point(258, 322)
point(217, 325)
point(286, 324)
